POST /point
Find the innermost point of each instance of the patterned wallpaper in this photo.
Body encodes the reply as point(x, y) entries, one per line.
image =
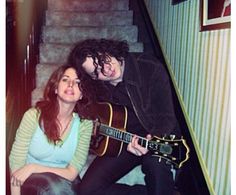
point(199, 64)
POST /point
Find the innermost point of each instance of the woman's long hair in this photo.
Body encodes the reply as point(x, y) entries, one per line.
point(49, 106)
point(99, 50)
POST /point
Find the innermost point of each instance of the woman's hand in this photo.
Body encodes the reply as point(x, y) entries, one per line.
point(135, 148)
point(19, 176)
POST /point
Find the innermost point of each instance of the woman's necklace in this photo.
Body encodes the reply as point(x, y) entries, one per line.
point(67, 125)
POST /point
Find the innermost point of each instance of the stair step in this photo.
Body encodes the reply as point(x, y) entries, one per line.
point(58, 53)
point(85, 5)
point(58, 34)
point(89, 18)
point(36, 95)
point(70, 21)
point(43, 72)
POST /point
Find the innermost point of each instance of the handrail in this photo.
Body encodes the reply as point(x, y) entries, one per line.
point(24, 19)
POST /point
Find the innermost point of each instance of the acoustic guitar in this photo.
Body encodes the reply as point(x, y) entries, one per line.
point(110, 135)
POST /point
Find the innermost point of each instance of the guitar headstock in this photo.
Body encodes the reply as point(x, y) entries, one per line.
point(175, 151)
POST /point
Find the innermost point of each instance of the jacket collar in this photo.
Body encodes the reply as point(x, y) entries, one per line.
point(132, 73)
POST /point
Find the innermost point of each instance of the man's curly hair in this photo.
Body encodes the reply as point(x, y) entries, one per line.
point(100, 50)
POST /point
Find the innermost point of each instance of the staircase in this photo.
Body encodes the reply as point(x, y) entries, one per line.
point(70, 21)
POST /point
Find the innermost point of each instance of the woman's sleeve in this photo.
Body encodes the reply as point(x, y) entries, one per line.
point(24, 133)
point(81, 153)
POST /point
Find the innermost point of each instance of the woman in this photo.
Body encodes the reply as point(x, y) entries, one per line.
point(52, 141)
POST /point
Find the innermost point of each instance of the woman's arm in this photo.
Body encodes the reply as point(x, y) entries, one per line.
point(20, 175)
point(15, 190)
point(24, 133)
point(81, 153)
point(20, 146)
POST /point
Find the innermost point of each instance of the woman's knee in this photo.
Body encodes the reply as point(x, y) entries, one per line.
point(46, 183)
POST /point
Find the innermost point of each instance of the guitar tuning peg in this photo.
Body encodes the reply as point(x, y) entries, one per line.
point(159, 159)
point(172, 136)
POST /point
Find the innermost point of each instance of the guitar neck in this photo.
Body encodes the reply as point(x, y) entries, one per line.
point(174, 151)
point(121, 135)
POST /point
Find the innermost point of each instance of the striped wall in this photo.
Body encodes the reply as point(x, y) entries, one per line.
point(199, 63)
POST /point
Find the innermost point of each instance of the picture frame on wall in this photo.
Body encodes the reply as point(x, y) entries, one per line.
point(215, 14)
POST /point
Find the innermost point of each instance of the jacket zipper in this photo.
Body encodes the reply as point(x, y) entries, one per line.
point(135, 109)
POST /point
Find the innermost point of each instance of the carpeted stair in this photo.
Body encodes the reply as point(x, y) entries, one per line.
point(69, 21)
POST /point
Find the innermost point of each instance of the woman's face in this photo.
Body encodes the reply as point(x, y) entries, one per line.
point(68, 90)
point(112, 71)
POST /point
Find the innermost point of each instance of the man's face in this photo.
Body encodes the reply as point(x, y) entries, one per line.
point(111, 72)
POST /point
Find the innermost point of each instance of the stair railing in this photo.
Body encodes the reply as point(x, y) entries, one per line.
point(24, 19)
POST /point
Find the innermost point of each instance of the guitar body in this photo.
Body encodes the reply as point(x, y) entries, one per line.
point(110, 135)
point(112, 116)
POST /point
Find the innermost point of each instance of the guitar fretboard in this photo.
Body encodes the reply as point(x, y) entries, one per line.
point(121, 135)
point(173, 151)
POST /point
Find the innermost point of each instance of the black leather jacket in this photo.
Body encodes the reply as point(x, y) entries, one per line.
point(148, 86)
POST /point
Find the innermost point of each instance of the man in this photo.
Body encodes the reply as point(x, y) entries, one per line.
point(141, 83)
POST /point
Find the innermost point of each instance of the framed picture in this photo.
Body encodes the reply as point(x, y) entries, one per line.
point(215, 14)
point(174, 2)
